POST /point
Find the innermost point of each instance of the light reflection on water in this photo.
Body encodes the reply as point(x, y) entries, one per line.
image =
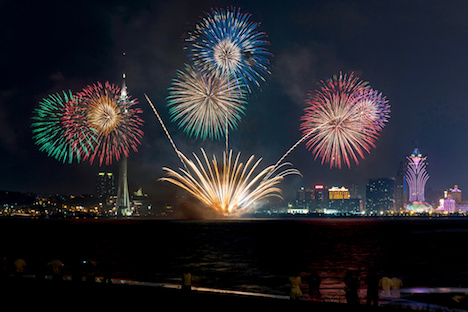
point(256, 255)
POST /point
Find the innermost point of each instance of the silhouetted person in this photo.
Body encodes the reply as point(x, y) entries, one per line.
point(395, 288)
point(295, 283)
point(372, 282)
point(386, 284)
point(351, 287)
point(186, 281)
point(20, 267)
point(314, 285)
point(56, 266)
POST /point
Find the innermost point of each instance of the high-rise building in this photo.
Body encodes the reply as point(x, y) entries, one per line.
point(416, 177)
point(105, 184)
point(380, 195)
point(399, 188)
point(354, 191)
point(340, 201)
point(303, 198)
point(319, 198)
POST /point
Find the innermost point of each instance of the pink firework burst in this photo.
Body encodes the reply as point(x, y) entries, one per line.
point(82, 140)
point(343, 119)
point(106, 119)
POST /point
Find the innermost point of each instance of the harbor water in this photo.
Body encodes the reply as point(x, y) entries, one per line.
point(255, 255)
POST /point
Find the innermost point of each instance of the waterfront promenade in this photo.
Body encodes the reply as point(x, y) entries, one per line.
point(31, 293)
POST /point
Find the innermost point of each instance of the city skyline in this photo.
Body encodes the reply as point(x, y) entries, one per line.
point(412, 52)
point(380, 199)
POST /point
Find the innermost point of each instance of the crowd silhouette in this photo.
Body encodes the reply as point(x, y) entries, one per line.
point(303, 286)
point(77, 270)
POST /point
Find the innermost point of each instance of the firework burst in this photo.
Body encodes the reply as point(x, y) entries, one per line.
point(373, 108)
point(226, 42)
point(230, 187)
point(205, 105)
point(80, 136)
point(343, 120)
point(106, 116)
point(49, 131)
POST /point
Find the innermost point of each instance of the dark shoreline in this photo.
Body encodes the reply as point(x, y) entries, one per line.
point(31, 293)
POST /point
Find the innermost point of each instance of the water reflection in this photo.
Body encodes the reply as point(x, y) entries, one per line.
point(256, 254)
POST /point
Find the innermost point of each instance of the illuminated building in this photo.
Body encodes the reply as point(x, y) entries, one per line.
point(344, 206)
point(450, 205)
point(142, 206)
point(303, 199)
point(320, 198)
point(297, 210)
point(452, 201)
point(340, 201)
point(416, 177)
point(105, 184)
point(447, 205)
point(455, 194)
point(310, 200)
point(338, 193)
point(380, 195)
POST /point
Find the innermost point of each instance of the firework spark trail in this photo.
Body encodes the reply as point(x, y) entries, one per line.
point(229, 188)
point(165, 129)
point(292, 148)
point(227, 135)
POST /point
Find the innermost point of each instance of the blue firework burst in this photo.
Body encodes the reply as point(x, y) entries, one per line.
point(226, 42)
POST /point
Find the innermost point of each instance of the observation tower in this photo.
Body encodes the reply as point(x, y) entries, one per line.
point(416, 177)
point(123, 198)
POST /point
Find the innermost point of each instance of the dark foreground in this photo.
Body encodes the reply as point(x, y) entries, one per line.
point(62, 295)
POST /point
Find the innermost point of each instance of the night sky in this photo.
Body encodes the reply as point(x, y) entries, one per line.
point(414, 52)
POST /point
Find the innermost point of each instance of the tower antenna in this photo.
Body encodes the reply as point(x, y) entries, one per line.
point(123, 197)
